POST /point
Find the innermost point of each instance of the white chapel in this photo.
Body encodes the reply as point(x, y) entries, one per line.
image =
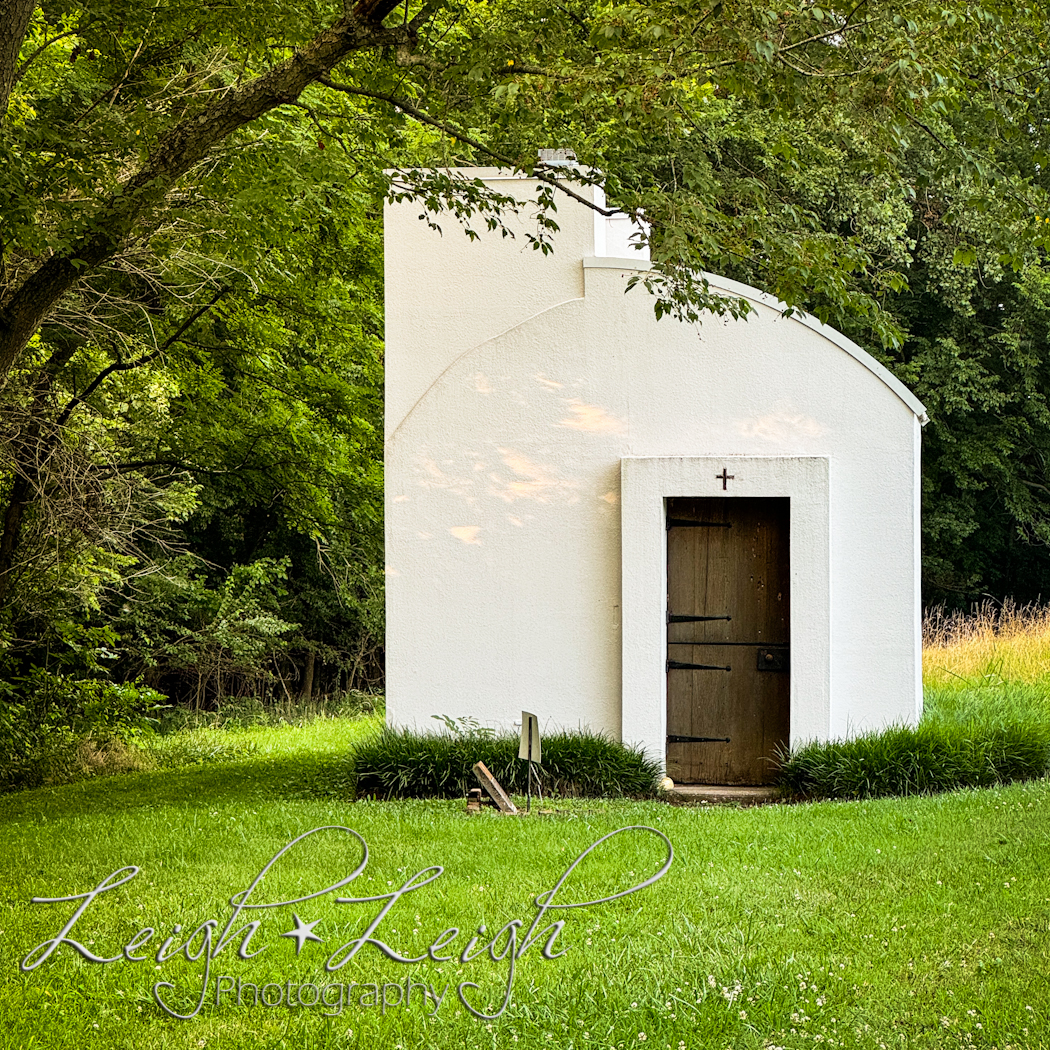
point(698, 538)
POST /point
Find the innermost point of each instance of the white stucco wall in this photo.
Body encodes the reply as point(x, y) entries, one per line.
point(519, 387)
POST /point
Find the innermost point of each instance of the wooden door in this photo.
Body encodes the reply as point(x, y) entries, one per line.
point(728, 619)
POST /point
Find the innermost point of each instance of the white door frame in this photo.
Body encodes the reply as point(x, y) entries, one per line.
point(646, 484)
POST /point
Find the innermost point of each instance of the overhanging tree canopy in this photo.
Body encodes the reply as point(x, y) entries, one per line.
point(812, 149)
point(111, 105)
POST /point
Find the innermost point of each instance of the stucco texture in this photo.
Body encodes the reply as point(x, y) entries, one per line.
point(518, 385)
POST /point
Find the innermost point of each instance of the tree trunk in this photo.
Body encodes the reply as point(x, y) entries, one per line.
point(308, 676)
point(27, 450)
point(180, 150)
point(14, 21)
point(17, 502)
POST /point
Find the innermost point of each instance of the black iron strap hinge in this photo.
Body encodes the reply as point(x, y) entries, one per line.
point(684, 523)
point(747, 645)
point(673, 738)
point(671, 618)
point(677, 665)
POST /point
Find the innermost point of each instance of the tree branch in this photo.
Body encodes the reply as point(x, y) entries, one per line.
point(178, 151)
point(452, 132)
point(844, 28)
point(14, 24)
point(925, 127)
point(23, 68)
point(373, 11)
point(138, 362)
point(407, 59)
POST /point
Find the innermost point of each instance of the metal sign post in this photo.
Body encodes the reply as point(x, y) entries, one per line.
point(530, 752)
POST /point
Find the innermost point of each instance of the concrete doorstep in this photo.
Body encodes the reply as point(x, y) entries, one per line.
point(699, 794)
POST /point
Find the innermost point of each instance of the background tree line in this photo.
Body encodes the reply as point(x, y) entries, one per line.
point(191, 279)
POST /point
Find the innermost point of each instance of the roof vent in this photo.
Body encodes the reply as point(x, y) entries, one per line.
point(558, 158)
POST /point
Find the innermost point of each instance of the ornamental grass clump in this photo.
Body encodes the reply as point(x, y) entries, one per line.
point(904, 760)
point(985, 720)
point(402, 763)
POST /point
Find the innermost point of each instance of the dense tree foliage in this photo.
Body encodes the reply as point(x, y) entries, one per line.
point(190, 275)
point(202, 475)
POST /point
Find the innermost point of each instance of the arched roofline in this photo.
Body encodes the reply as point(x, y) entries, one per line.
point(832, 335)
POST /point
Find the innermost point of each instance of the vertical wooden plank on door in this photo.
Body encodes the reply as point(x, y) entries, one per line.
point(732, 561)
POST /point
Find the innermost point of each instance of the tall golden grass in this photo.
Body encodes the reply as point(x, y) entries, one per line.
point(1004, 642)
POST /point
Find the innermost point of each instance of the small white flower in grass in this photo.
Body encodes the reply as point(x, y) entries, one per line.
point(641, 1036)
point(743, 1015)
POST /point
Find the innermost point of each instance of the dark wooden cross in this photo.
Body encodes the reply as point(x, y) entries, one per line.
point(724, 477)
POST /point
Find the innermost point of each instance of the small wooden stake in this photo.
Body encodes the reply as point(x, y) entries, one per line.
point(491, 785)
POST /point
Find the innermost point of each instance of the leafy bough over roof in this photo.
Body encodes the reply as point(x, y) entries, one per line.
point(831, 153)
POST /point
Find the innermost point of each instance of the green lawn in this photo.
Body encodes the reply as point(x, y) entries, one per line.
point(919, 922)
